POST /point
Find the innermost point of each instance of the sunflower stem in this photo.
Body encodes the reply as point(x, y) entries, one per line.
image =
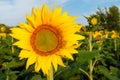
point(90, 41)
point(84, 72)
point(100, 47)
point(90, 49)
point(115, 45)
point(12, 46)
point(50, 74)
point(91, 70)
point(7, 75)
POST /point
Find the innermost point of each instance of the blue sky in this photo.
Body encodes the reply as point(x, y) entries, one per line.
point(13, 11)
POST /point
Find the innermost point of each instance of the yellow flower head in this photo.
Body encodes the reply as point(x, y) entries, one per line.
point(94, 21)
point(114, 34)
point(46, 38)
point(3, 35)
point(3, 29)
point(97, 34)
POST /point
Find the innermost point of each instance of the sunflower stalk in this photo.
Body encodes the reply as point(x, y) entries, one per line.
point(84, 71)
point(115, 44)
point(12, 46)
point(91, 70)
point(7, 75)
point(100, 47)
point(115, 48)
point(90, 41)
point(91, 64)
point(90, 49)
point(50, 74)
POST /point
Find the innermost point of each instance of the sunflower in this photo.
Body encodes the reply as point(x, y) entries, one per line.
point(46, 37)
point(114, 34)
point(3, 32)
point(2, 29)
point(97, 34)
point(3, 35)
point(94, 21)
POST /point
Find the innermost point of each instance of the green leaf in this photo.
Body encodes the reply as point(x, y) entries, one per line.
point(12, 75)
point(12, 64)
point(2, 76)
point(37, 77)
point(114, 71)
point(86, 56)
point(103, 69)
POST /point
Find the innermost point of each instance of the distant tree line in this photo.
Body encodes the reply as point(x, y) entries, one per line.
point(110, 18)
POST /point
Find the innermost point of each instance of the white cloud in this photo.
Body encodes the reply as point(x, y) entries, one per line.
point(14, 11)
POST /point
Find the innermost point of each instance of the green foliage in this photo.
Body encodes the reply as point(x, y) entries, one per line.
point(37, 77)
point(4, 29)
point(86, 56)
point(110, 18)
point(111, 74)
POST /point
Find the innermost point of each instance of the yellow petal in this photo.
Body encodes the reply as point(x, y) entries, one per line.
point(23, 44)
point(26, 26)
point(47, 64)
point(30, 20)
point(37, 67)
point(66, 53)
point(68, 28)
point(45, 15)
point(55, 16)
point(38, 20)
point(74, 37)
point(20, 34)
point(56, 60)
point(56, 12)
point(30, 61)
point(25, 54)
point(43, 63)
point(64, 19)
point(33, 13)
point(59, 60)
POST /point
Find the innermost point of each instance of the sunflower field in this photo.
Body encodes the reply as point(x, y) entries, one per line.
point(38, 50)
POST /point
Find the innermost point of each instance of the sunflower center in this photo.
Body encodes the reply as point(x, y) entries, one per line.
point(46, 40)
